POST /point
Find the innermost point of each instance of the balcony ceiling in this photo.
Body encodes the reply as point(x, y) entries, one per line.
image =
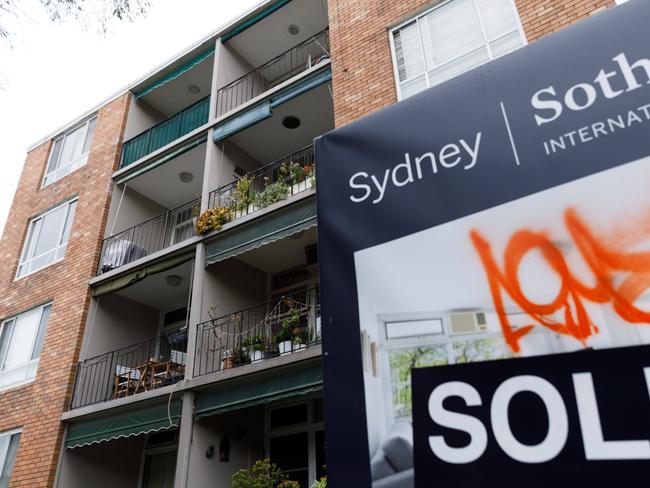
point(281, 255)
point(270, 140)
point(270, 37)
point(174, 95)
point(162, 184)
point(155, 292)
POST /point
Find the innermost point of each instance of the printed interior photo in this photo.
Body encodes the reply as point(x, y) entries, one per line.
point(557, 271)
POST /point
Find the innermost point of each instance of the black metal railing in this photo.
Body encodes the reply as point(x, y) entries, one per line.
point(144, 366)
point(166, 131)
point(164, 230)
point(282, 326)
point(299, 58)
point(271, 183)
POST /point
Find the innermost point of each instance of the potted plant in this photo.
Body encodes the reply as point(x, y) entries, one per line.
point(242, 193)
point(300, 338)
point(255, 346)
point(272, 193)
point(283, 339)
point(240, 356)
point(212, 219)
point(228, 361)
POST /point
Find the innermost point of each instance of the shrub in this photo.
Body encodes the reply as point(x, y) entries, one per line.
point(264, 474)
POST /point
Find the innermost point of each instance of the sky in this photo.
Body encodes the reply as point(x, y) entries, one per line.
point(55, 72)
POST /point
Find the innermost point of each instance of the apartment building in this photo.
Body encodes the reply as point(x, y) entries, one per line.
point(160, 306)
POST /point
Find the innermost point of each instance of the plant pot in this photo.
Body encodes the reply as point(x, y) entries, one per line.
point(268, 354)
point(298, 187)
point(227, 363)
point(256, 356)
point(284, 347)
point(299, 347)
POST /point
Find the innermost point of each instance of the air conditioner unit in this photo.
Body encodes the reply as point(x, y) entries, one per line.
point(467, 323)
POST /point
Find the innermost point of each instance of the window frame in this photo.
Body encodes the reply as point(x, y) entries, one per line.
point(3, 455)
point(33, 362)
point(416, 18)
point(83, 156)
point(30, 242)
point(310, 427)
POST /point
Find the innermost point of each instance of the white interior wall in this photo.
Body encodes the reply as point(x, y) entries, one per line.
point(230, 286)
point(245, 431)
point(115, 322)
point(134, 209)
point(105, 465)
point(141, 117)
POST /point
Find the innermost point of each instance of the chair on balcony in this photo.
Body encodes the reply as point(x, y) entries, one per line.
point(127, 381)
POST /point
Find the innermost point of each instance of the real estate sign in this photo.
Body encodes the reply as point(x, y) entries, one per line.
point(485, 271)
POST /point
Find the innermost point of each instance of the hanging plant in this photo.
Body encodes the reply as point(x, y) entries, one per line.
point(212, 219)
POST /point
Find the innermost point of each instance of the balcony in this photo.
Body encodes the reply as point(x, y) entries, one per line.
point(165, 230)
point(276, 181)
point(283, 326)
point(144, 366)
point(165, 132)
point(290, 63)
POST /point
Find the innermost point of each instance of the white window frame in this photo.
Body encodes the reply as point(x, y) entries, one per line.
point(30, 241)
point(71, 166)
point(416, 18)
point(32, 365)
point(3, 451)
point(310, 427)
point(444, 340)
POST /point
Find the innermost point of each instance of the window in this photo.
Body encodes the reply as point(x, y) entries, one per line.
point(21, 341)
point(47, 239)
point(451, 39)
point(296, 440)
point(70, 151)
point(8, 447)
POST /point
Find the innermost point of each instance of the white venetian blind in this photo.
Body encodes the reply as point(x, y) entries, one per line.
point(451, 39)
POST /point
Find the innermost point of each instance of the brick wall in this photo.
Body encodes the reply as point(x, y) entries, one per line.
point(362, 67)
point(37, 407)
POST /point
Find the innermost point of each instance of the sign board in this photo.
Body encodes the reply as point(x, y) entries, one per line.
point(497, 216)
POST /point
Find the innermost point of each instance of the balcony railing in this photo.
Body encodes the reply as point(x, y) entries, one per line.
point(282, 326)
point(274, 182)
point(148, 365)
point(164, 230)
point(299, 58)
point(166, 131)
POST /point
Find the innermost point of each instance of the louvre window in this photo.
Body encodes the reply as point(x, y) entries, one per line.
point(70, 151)
point(451, 39)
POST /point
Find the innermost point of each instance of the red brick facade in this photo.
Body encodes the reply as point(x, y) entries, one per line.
point(37, 406)
point(362, 66)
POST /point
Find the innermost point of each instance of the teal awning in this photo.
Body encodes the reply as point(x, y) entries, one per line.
point(254, 20)
point(120, 424)
point(128, 279)
point(259, 390)
point(175, 73)
point(302, 87)
point(242, 121)
point(263, 230)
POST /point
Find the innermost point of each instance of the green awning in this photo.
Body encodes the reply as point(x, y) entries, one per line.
point(128, 279)
point(259, 390)
point(254, 20)
point(302, 87)
point(127, 423)
point(175, 73)
point(263, 230)
point(244, 120)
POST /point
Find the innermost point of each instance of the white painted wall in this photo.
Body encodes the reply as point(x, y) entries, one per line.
point(105, 465)
point(245, 431)
point(134, 209)
point(141, 117)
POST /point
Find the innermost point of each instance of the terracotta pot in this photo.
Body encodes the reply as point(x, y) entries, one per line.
point(227, 363)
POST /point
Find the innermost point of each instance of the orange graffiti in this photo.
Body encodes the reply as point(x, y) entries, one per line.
point(602, 260)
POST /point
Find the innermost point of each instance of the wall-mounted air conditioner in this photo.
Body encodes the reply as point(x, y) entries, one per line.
point(467, 323)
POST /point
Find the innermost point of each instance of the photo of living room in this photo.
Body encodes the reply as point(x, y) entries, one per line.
point(556, 271)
